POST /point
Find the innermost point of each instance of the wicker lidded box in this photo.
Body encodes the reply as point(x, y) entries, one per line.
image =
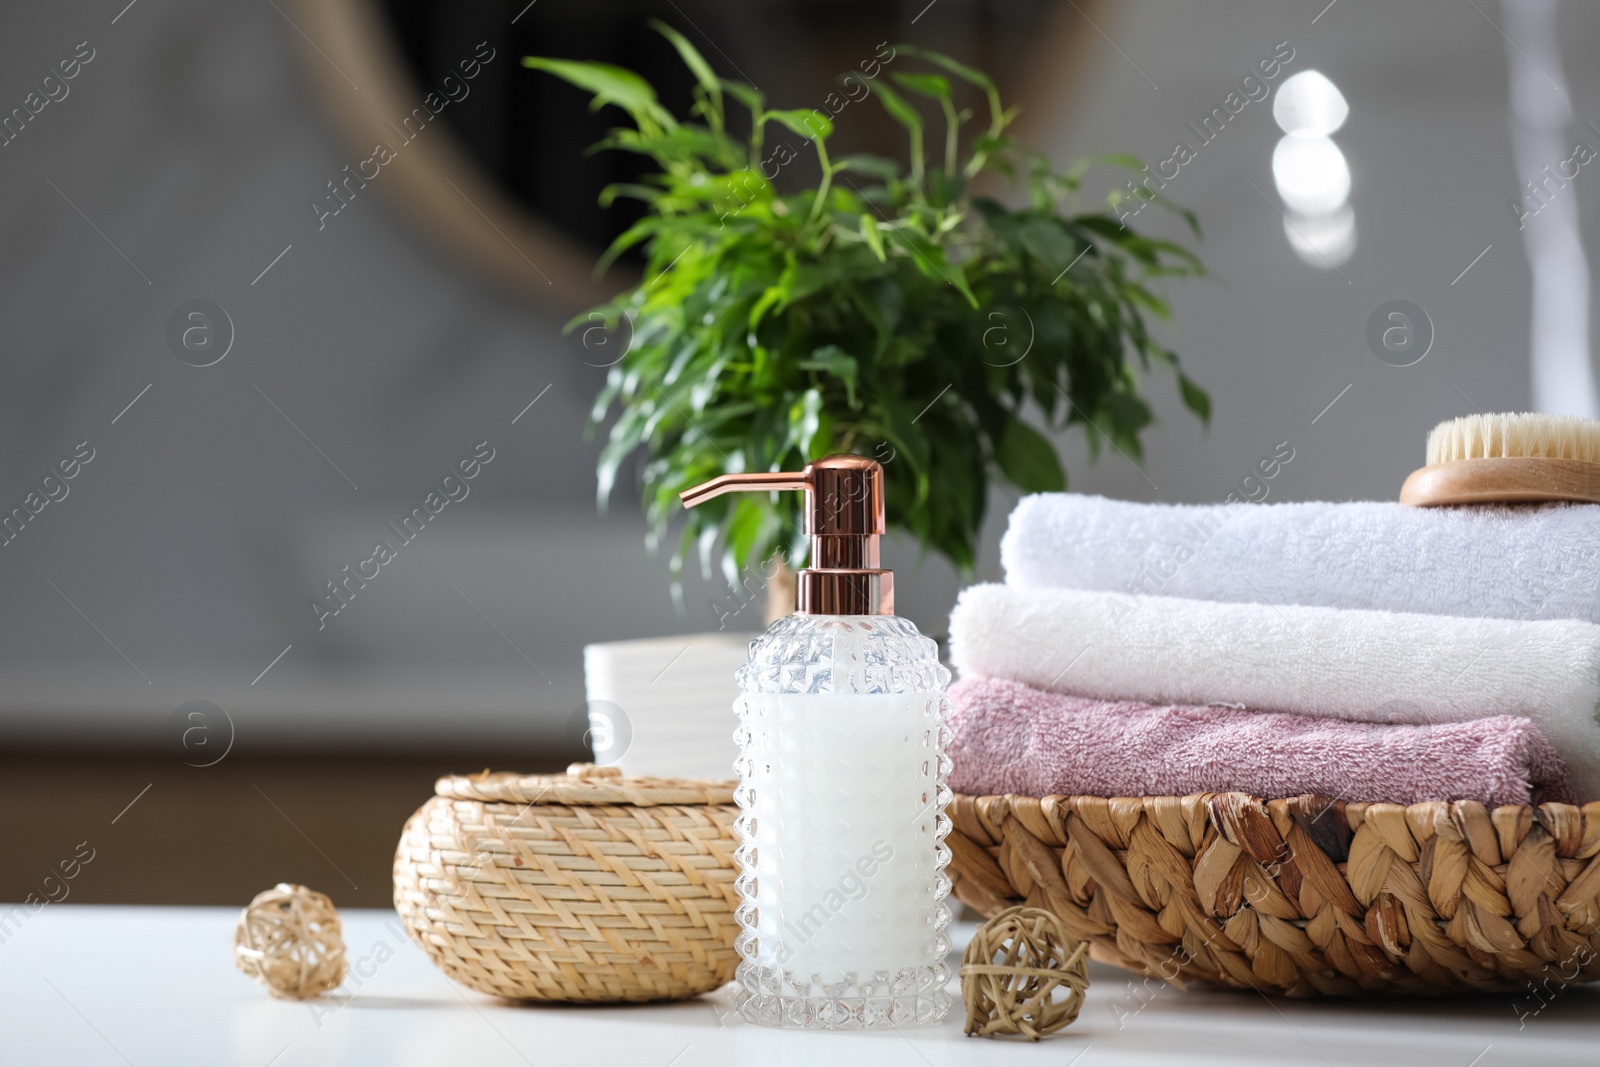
point(586, 886)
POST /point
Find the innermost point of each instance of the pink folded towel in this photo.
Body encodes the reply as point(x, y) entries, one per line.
point(1012, 738)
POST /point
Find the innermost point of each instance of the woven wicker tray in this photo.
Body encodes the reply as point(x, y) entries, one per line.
point(579, 887)
point(1303, 897)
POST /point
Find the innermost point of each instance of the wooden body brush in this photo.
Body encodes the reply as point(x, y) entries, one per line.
point(1508, 459)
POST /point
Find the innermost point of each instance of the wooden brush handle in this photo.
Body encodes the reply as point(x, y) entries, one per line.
point(1506, 480)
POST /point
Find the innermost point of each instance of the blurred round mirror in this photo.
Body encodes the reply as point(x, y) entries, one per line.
point(493, 160)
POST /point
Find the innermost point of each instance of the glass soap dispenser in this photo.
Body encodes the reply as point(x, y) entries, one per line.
point(842, 790)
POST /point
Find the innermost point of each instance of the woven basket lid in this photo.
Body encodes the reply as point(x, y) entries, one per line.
point(584, 783)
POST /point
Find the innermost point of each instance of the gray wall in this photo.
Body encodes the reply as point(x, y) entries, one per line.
point(193, 540)
point(1276, 340)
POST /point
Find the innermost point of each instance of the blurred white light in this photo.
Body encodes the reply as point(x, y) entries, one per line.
point(1309, 105)
point(1311, 173)
point(1324, 241)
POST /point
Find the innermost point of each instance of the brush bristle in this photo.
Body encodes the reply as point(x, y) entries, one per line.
point(1501, 436)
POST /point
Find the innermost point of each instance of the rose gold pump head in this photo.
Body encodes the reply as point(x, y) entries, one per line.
point(844, 519)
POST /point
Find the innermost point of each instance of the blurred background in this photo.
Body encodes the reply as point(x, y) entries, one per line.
point(357, 339)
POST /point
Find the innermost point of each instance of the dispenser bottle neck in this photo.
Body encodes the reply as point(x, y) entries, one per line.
point(844, 519)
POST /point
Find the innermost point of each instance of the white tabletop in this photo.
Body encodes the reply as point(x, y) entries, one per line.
point(87, 985)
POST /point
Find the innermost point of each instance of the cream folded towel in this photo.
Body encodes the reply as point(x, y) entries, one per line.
point(1372, 666)
point(1521, 562)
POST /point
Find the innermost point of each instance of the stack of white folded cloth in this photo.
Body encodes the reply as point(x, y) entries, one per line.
point(658, 707)
point(1371, 612)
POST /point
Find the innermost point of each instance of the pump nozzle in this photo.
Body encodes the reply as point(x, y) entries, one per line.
point(844, 517)
point(740, 483)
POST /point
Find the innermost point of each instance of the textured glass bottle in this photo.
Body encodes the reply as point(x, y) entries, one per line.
point(842, 774)
point(842, 825)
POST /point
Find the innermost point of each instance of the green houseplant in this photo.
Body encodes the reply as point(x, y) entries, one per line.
point(887, 309)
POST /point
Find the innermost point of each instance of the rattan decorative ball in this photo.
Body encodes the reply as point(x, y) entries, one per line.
point(288, 939)
point(1023, 974)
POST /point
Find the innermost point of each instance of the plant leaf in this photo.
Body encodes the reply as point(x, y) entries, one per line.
point(929, 85)
point(960, 70)
point(837, 362)
point(1126, 414)
point(930, 259)
point(1048, 242)
point(879, 167)
point(691, 58)
point(808, 124)
point(804, 420)
point(869, 231)
point(898, 109)
point(1029, 460)
point(609, 84)
point(747, 95)
point(1195, 398)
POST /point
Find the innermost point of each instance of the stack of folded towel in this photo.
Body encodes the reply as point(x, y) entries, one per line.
point(1369, 652)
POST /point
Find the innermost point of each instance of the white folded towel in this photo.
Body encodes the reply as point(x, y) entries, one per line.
point(1522, 562)
point(1371, 666)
